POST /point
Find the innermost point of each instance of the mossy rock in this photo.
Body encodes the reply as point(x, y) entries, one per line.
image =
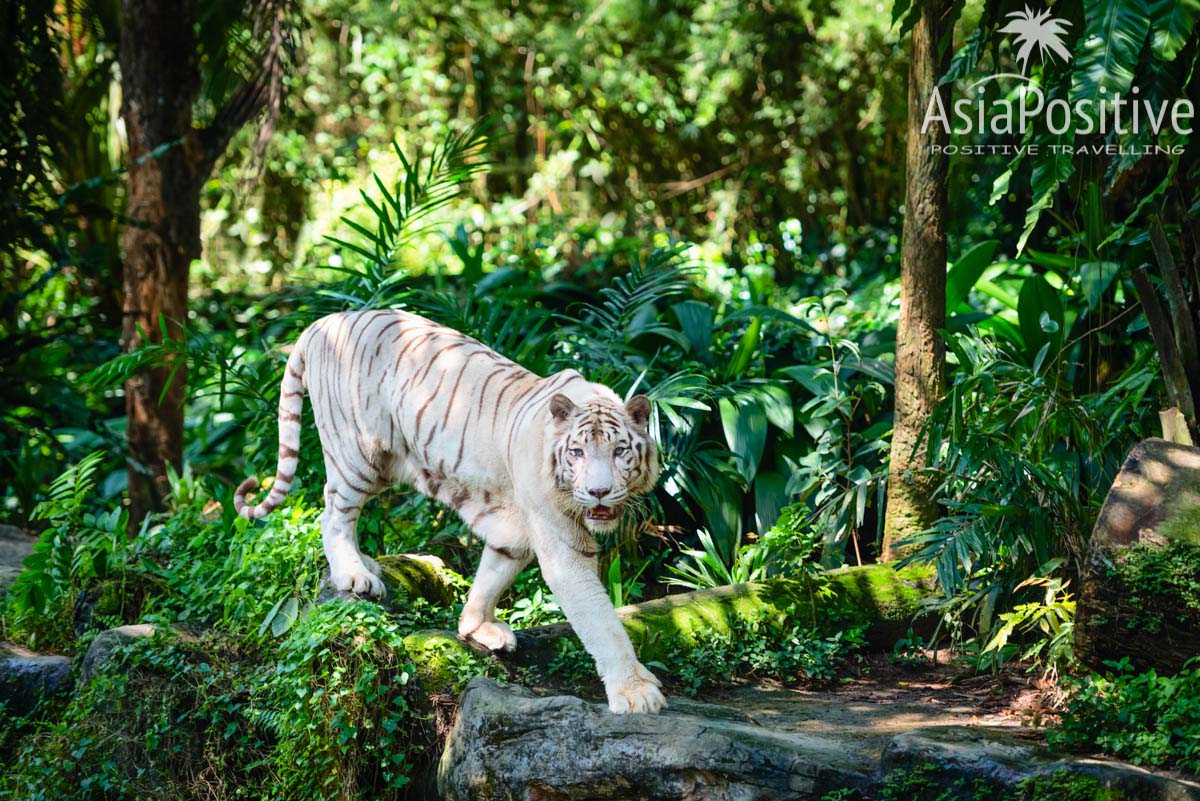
point(978, 763)
point(884, 600)
point(419, 576)
point(1140, 588)
point(117, 599)
point(444, 663)
point(1182, 523)
point(879, 597)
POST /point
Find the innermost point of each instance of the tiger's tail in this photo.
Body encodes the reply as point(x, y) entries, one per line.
point(291, 403)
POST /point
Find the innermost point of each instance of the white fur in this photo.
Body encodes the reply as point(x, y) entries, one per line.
point(399, 399)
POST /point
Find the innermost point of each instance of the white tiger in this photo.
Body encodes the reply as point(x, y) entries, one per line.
point(535, 466)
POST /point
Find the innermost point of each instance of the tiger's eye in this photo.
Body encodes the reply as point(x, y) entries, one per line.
point(576, 453)
point(620, 450)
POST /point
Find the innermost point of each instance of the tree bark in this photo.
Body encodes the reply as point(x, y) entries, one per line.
point(920, 352)
point(159, 82)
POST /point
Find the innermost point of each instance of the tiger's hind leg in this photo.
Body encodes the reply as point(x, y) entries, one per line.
point(349, 569)
point(504, 556)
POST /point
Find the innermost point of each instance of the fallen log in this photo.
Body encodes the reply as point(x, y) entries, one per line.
point(884, 600)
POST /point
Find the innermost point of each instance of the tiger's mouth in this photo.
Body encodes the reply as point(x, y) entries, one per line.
point(605, 514)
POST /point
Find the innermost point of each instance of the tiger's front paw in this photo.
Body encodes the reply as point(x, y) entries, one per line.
point(495, 635)
point(358, 581)
point(639, 693)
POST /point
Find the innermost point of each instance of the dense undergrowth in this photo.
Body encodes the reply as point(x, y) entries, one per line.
point(658, 223)
point(773, 414)
point(249, 688)
point(1141, 717)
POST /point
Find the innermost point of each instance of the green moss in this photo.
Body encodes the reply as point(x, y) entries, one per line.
point(444, 664)
point(1161, 581)
point(1183, 523)
point(830, 612)
point(420, 576)
point(882, 599)
point(931, 782)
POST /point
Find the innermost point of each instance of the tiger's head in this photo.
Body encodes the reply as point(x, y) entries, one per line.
point(602, 456)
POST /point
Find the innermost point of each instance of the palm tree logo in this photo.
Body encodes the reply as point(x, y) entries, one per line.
point(1037, 29)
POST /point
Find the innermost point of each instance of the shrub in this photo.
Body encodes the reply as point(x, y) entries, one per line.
point(1145, 718)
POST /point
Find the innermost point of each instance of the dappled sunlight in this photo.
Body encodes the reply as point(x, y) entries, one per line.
point(408, 399)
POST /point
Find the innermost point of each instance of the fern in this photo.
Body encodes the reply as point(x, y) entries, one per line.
point(402, 213)
point(598, 336)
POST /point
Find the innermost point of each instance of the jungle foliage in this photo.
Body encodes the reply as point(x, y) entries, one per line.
point(697, 200)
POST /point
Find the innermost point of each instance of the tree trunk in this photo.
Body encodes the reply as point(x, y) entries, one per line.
point(159, 82)
point(920, 352)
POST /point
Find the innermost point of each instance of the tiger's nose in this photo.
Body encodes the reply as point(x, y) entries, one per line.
point(599, 493)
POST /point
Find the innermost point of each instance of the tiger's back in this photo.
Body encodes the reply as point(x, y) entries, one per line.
point(399, 399)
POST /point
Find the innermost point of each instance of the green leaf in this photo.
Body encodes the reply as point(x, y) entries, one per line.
point(745, 426)
point(777, 404)
point(817, 380)
point(1108, 52)
point(1173, 21)
point(770, 497)
point(284, 616)
point(1094, 279)
point(696, 322)
point(1051, 167)
point(1040, 315)
point(871, 367)
point(966, 271)
point(746, 349)
point(967, 57)
point(270, 616)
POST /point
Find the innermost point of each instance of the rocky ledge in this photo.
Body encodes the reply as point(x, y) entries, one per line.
point(508, 743)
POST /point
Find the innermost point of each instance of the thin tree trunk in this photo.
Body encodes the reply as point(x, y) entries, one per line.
point(920, 352)
point(159, 81)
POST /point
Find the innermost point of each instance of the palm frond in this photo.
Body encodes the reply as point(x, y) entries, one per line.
point(245, 51)
point(371, 279)
point(597, 336)
point(420, 189)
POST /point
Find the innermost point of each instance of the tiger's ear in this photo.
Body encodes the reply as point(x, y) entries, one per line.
point(638, 409)
point(561, 408)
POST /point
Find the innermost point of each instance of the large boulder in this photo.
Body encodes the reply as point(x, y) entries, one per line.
point(510, 744)
point(27, 678)
point(15, 547)
point(1140, 592)
point(953, 759)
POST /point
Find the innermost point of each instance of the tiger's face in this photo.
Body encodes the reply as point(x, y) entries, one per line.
point(603, 456)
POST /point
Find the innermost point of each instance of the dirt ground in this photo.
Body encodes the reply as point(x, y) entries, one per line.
point(876, 700)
